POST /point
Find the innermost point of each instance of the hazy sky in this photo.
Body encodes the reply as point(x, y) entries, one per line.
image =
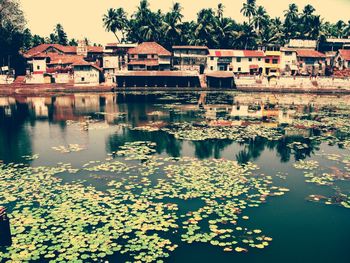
point(82, 18)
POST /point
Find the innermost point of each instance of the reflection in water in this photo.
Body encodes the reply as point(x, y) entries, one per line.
point(18, 114)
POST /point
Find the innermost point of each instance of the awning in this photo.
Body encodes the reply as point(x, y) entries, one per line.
point(253, 66)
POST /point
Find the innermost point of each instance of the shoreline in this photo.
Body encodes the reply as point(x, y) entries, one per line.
point(37, 89)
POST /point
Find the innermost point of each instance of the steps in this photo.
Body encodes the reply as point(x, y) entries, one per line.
point(203, 81)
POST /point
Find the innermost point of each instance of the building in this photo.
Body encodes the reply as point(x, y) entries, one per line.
point(115, 58)
point(342, 59)
point(86, 73)
point(302, 43)
point(190, 58)
point(311, 62)
point(334, 44)
point(48, 63)
point(289, 61)
point(143, 78)
point(236, 61)
point(149, 56)
point(272, 63)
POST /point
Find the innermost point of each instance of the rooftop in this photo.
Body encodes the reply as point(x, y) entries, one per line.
point(310, 53)
point(345, 53)
point(150, 48)
point(235, 53)
point(191, 47)
point(63, 49)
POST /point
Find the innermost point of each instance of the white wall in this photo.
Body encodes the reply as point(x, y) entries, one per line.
point(35, 79)
point(39, 65)
point(86, 76)
point(239, 65)
point(288, 60)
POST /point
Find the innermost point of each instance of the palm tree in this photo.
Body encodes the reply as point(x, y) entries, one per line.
point(260, 19)
point(220, 11)
point(291, 22)
point(249, 9)
point(205, 27)
point(246, 37)
point(116, 20)
point(346, 30)
point(171, 25)
point(339, 28)
point(225, 32)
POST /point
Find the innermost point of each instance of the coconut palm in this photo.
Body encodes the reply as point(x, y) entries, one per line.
point(171, 25)
point(220, 11)
point(116, 20)
point(260, 19)
point(249, 9)
point(346, 31)
point(205, 27)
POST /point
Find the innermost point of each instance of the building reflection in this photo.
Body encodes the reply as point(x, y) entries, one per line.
point(139, 109)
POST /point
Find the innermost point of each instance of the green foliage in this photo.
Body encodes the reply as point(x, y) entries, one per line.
point(213, 29)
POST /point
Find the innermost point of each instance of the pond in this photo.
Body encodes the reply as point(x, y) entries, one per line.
point(176, 177)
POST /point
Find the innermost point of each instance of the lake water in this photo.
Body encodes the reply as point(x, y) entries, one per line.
point(178, 177)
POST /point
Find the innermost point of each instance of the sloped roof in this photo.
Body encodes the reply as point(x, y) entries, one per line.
point(220, 74)
point(345, 53)
point(150, 48)
point(310, 53)
point(64, 59)
point(235, 53)
point(64, 49)
point(85, 63)
point(191, 47)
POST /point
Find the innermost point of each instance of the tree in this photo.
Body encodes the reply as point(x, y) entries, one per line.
point(61, 35)
point(171, 26)
point(260, 20)
point(249, 9)
point(291, 22)
point(116, 20)
point(220, 11)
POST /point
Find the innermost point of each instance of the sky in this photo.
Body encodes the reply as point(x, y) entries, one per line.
point(83, 18)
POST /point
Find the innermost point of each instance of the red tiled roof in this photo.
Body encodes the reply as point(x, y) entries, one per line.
point(150, 48)
point(64, 49)
point(85, 63)
point(253, 53)
point(64, 59)
point(345, 54)
point(253, 66)
point(93, 49)
point(191, 47)
point(236, 53)
point(220, 74)
point(310, 53)
point(148, 62)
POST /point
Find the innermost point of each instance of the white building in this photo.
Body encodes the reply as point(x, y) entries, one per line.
point(342, 59)
point(289, 61)
point(86, 74)
point(237, 61)
point(190, 58)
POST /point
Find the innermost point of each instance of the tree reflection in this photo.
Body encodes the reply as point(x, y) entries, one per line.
point(15, 138)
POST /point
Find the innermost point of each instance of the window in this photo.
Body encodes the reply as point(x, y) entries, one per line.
point(142, 56)
point(37, 67)
point(250, 59)
point(267, 60)
point(82, 79)
point(211, 68)
point(239, 69)
point(275, 61)
point(211, 58)
point(288, 53)
point(239, 59)
point(259, 59)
